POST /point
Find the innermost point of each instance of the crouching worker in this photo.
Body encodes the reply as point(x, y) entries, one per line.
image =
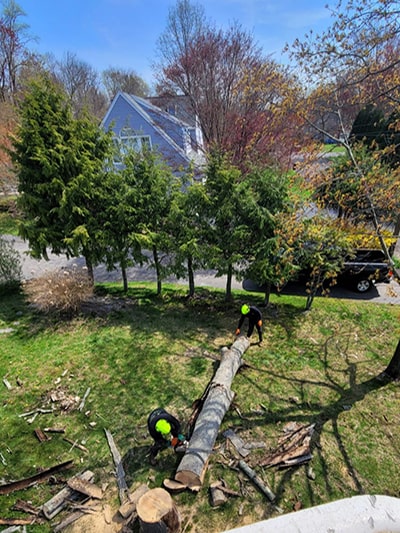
point(166, 431)
point(254, 316)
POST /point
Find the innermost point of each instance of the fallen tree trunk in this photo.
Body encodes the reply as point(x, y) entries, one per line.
point(192, 468)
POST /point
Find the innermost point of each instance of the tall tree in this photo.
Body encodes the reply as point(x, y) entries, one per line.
point(8, 124)
point(243, 100)
point(151, 184)
point(186, 21)
point(116, 79)
point(14, 36)
point(187, 227)
point(57, 159)
point(82, 84)
point(353, 64)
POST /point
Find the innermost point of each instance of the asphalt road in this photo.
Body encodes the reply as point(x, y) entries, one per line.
point(388, 293)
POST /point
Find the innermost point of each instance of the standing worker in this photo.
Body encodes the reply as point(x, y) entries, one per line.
point(166, 431)
point(255, 319)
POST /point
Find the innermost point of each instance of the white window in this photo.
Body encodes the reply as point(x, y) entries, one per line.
point(129, 140)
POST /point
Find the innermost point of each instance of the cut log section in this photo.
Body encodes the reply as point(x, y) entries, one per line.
point(129, 507)
point(157, 512)
point(192, 468)
point(85, 487)
point(174, 486)
point(217, 496)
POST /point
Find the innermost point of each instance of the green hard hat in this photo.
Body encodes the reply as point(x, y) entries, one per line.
point(163, 427)
point(245, 309)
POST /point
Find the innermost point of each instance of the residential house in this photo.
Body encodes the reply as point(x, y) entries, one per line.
point(138, 123)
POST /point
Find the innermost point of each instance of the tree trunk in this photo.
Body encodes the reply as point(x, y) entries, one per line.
point(157, 512)
point(192, 468)
point(396, 233)
point(89, 266)
point(124, 278)
point(190, 275)
point(158, 270)
point(267, 293)
point(228, 293)
point(393, 369)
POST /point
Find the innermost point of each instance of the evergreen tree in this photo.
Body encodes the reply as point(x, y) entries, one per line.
point(151, 188)
point(60, 163)
point(187, 231)
point(368, 125)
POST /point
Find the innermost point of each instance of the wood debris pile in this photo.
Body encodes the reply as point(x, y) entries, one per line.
point(63, 400)
point(293, 447)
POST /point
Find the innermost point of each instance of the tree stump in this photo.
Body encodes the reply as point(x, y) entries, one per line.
point(192, 468)
point(157, 512)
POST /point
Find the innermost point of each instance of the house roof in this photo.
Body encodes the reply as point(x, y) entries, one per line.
point(170, 128)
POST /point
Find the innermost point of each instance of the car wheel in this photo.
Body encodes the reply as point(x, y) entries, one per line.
point(363, 285)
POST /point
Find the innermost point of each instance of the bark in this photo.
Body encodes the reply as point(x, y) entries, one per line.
point(192, 468)
point(228, 293)
point(60, 500)
point(158, 270)
point(396, 233)
point(37, 478)
point(190, 275)
point(258, 482)
point(120, 473)
point(157, 512)
point(124, 279)
point(393, 369)
point(85, 487)
point(89, 266)
point(267, 293)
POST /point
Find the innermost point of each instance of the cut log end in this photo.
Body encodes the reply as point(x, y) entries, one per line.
point(174, 486)
point(157, 512)
point(191, 480)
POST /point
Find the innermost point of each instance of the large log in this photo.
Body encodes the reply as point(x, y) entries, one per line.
point(192, 468)
point(157, 512)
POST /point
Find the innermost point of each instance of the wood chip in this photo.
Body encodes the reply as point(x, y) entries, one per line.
point(75, 444)
point(7, 383)
point(26, 507)
point(41, 436)
point(237, 442)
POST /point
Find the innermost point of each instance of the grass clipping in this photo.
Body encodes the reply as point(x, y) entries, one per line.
point(62, 291)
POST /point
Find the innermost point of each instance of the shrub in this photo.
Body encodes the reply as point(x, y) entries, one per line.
point(61, 290)
point(10, 266)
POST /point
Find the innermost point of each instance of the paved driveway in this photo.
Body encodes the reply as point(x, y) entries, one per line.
point(380, 293)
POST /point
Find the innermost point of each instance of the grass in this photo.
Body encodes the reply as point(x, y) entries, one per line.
point(317, 367)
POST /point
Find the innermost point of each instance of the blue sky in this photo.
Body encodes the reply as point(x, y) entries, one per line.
point(123, 33)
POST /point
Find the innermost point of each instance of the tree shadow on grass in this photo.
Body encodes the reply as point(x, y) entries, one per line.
point(307, 412)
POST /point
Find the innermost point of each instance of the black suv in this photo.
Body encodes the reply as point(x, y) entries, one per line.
point(368, 266)
point(359, 273)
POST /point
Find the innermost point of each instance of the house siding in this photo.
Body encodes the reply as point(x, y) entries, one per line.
point(123, 114)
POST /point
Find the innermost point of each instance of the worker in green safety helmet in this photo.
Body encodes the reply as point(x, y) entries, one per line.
point(255, 320)
point(166, 431)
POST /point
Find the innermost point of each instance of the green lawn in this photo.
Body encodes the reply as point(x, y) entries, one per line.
point(315, 367)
